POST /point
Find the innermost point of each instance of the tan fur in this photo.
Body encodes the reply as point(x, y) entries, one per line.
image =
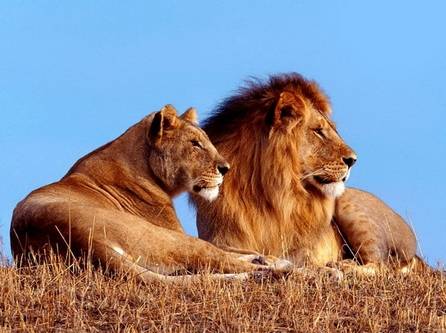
point(283, 146)
point(115, 203)
point(375, 233)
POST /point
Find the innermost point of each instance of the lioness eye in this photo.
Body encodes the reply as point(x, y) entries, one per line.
point(196, 143)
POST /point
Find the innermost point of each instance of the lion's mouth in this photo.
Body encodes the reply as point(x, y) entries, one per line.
point(322, 180)
point(325, 180)
point(347, 175)
point(329, 187)
point(197, 188)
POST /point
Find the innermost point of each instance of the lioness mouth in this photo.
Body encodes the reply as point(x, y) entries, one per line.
point(209, 193)
point(198, 188)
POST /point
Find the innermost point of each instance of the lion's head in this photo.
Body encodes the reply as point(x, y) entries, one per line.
point(282, 125)
point(324, 159)
point(181, 155)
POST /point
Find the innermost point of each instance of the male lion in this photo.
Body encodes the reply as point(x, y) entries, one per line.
point(289, 165)
point(115, 204)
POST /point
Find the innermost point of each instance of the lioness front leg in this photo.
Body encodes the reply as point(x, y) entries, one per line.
point(145, 275)
point(163, 251)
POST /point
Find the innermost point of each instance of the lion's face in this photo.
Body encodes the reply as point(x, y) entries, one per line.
point(325, 159)
point(182, 156)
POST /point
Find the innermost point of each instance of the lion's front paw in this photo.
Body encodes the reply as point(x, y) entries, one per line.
point(269, 274)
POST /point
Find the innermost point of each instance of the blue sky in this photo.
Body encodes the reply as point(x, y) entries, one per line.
point(74, 75)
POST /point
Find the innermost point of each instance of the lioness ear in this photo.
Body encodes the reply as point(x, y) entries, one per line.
point(190, 115)
point(288, 111)
point(163, 120)
point(169, 116)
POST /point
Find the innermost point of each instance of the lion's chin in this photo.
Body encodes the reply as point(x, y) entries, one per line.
point(208, 193)
point(332, 190)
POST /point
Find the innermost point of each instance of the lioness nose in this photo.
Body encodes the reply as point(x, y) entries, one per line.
point(223, 168)
point(349, 160)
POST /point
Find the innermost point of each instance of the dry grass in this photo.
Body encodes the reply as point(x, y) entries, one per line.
point(51, 297)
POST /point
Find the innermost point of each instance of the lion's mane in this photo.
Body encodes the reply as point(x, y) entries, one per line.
point(263, 205)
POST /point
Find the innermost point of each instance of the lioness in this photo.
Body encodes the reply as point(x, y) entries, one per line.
point(289, 166)
point(115, 203)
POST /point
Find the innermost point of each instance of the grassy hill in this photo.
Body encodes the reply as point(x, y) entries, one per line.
point(52, 296)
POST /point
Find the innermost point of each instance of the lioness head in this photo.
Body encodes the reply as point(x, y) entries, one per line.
point(324, 158)
point(181, 155)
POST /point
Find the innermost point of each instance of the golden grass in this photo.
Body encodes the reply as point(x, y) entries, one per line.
point(51, 297)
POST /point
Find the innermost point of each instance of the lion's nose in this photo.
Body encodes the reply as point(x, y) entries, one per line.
point(349, 161)
point(223, 168)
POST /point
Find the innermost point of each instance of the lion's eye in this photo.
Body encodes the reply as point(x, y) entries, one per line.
point(319, 132)
point(196, 143)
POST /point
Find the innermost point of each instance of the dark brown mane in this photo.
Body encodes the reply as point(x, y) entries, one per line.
point(260, 97)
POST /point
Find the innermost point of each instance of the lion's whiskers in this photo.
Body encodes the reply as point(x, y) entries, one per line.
point(317, 172)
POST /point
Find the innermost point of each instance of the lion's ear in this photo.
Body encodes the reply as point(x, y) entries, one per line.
point(163, 120)
point(190, 115)
point(288, 111)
